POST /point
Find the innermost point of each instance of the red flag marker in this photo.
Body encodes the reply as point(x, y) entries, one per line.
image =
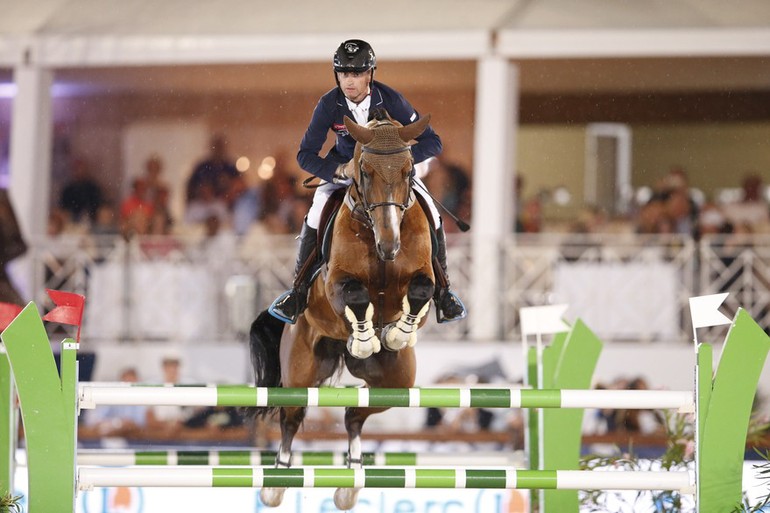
point(68, 310)
point(8, 312)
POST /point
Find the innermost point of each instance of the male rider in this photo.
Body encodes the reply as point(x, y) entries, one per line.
point(355, 96)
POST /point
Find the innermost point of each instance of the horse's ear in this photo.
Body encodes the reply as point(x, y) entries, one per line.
point(359, 133)
point(414, 130)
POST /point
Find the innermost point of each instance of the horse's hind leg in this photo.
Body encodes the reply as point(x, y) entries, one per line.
point(414, 307)
point(291, 419)
point(384, 370)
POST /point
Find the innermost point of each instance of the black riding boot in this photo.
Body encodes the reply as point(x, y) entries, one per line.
point(293, 302)
point(449, 307)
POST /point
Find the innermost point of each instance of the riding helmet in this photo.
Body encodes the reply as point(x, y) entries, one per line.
point(354, 55)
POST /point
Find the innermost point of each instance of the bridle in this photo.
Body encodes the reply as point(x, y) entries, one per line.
point(363, 211)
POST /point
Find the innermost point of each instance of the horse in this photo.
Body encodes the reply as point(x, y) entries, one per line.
point(375, 291)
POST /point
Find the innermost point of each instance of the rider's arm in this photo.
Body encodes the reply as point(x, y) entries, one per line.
point(309, 157)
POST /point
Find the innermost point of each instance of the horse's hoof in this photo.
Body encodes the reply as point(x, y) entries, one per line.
point(391, 340)
point(271, 497)
point(346, 498)
point(359, 350)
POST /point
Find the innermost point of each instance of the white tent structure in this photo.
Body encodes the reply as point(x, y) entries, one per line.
point(39, 37)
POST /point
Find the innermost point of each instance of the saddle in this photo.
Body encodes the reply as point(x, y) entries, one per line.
point(329, 214)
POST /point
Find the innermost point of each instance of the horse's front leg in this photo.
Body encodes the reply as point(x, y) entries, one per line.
point(415, 305)
point(358, 311)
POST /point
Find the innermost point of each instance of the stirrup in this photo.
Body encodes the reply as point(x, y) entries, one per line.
point(453, 300)
point(279, 308)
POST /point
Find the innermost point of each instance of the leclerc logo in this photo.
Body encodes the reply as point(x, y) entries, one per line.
point(113, 500)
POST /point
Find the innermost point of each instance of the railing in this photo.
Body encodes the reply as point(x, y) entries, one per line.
point(181, 289)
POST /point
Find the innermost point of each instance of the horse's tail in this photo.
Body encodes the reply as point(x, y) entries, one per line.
point(264, 344)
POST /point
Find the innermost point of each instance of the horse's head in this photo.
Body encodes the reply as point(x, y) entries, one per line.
point(384, 171)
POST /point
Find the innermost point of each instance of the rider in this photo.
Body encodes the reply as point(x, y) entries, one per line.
point(355, 95)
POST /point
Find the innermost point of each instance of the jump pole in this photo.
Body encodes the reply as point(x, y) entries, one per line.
point(320, 477)
point(30, 356)
point(299, 458)
point(93, 394)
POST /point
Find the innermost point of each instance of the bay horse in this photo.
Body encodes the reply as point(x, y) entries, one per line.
point(376, 290)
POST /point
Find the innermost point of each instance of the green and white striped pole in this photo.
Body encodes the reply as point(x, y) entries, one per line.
point(299, 458)
point(92, 395)
point(393, 477)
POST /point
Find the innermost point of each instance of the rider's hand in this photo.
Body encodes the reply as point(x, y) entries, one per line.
point(341, 177)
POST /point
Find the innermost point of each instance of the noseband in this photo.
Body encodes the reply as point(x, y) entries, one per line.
point(363, 211)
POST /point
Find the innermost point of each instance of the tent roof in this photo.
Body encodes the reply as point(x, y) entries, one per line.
point(115, 32)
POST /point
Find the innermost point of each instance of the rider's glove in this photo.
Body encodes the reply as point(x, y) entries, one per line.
point(340, 178)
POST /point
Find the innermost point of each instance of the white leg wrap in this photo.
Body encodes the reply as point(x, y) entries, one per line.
point(404, 332)
point(363, 341)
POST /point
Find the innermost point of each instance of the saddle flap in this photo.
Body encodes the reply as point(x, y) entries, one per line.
point(326, 225)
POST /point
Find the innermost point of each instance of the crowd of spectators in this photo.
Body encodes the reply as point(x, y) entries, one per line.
point(670, 206)
point(218, 199)
point(163, 423)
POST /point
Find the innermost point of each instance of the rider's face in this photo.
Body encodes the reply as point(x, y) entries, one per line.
point(355, 85)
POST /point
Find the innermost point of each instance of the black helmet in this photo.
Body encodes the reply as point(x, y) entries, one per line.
point(354, 55)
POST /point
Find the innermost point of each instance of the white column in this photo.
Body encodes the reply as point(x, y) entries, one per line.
point(30, 150)
point(30, 161)
point(493, 179)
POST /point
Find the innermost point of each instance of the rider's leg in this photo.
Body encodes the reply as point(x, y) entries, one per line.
point(289, 305)
point(449, 307)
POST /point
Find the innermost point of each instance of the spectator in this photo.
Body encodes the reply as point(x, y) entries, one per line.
point(680, 212)
point(82, 196)
point(249, 202)
point(157, 192)
point(117, 420)
point(214, 176)
point(652, 218)
point(136, 210)
point(168, 420)
point(205, 206)
point(752, 208)
point(156, 187)
point(645, 422)
point(106, 221)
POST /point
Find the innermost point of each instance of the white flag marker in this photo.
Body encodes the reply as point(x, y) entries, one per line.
point(542, 319)
point(704, 310)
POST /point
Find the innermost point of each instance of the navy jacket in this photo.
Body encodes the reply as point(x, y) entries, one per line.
point(328, 115)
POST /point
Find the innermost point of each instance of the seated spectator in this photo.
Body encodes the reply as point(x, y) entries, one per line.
point(712, 221)
point(205, 205)
point(213, 176)
point(168, 420)
point(652, 218)
point(135, 209)
point(645, 422)
point(248, 204)
point(117, 420)
point(752, 209)
point(82, 195)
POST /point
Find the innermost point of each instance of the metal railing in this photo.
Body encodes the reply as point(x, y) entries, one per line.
point(179, 289)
